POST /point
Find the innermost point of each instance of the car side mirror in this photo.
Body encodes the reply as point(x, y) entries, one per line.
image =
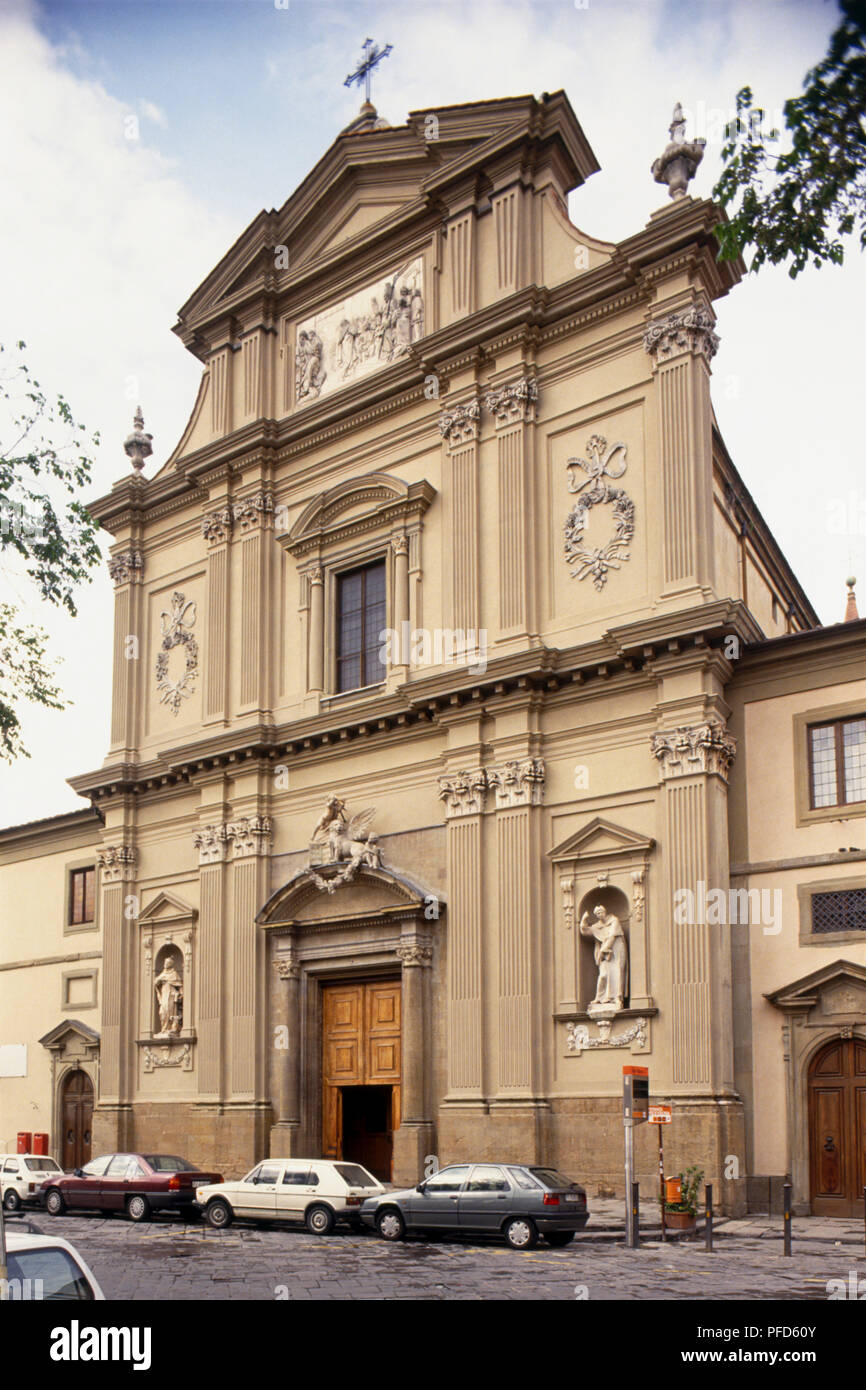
point(78, 1172)
point(422, 1187)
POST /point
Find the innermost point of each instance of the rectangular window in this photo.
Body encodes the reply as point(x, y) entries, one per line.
point(837, 762)
point(82, 896)
point(360, 621)
point(845, 911)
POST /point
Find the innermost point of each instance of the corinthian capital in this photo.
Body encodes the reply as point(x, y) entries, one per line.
point(696, 748)
point(689, 331)
point(216, 526)
point(117, 863)
point(513, 405)
point(464, 794)
point(459, 426)
point(517, 783)
point(126, 566)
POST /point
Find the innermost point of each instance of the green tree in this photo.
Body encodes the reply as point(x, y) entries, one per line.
point(47, 539)
point(798, 203)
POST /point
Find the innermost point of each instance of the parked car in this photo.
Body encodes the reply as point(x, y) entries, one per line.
point(518, 1202)
point(138, 1184)
point(47, 1269)
point(313, 1190)
point(21, 1176)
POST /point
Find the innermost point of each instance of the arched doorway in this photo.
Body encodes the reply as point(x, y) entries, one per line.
point(76, 1118)
point(837, 1128)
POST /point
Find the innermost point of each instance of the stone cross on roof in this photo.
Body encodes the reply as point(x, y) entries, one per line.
point(372, 57)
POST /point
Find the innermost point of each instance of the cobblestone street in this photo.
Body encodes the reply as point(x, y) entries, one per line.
point(169, 1260)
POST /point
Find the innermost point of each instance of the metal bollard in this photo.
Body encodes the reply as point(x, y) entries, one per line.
point(635, 1213)
point(708, 1215)
point(786, 1193)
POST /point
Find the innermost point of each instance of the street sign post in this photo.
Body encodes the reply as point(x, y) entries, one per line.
point(635, 1111)
point(661, 1115)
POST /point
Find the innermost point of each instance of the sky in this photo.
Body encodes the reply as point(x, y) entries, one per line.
point(140, 139)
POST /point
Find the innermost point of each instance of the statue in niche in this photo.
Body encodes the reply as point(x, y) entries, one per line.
point(168, 987)
point(611, 957)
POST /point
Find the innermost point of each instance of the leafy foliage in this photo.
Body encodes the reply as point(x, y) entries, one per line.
point(799, 203)
point(47, 538)
point(691, 1181)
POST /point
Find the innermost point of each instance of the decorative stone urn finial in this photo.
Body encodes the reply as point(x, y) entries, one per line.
point(680, 161)
point(851, 613)
point(138, 445)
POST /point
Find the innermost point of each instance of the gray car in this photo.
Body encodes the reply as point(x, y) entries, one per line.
point(515, 1201)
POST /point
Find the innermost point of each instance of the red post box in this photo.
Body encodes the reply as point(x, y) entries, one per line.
point(40, 1144)
point(673, 1189)
point(25, 1139)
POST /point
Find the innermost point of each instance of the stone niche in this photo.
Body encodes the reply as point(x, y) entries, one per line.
point(603, 990)
point(166, 998)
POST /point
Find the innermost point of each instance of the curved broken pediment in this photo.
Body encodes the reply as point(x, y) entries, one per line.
point(305, 899)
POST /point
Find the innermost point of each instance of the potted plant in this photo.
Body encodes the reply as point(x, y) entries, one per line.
point(682, 1215)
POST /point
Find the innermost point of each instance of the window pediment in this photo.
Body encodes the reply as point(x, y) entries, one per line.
point(372, 502)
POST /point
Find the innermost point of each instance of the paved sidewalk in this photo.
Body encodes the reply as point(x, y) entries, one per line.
point(607, 1219)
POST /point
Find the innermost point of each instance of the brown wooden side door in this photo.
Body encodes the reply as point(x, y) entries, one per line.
point(76, 1119)
point(837, 1128)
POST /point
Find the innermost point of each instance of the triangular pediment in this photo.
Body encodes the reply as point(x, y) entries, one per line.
point(841, 981)
point(601, 839)
point(168, 907)
point(368, 184)
point(58, 1036)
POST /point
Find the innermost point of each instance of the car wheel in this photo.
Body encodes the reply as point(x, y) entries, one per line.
point(138, 1207)
point(54, 1202)
point(559, 1238)
point(219, 1214)
point(319, 1220)
point(390, 1224)
point(11, 1201)
point(521, 1234)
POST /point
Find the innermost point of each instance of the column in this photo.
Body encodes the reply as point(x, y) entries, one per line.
point(681, 346)
point(286, 1045)
point(401, 624)
point(126, 569)
point(518, 787)
point(316, 581)
point(112, 1120)
point(459, 429)
point(693, 766)
point(211, 842)
point(513, 409)
point(413, 1141)
point(251, 517)
point(249, 838)
point(463, 796)
point(216, 528)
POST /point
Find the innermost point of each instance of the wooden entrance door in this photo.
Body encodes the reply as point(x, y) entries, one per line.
point(361, 1047)
point(76, 1114)
point(837, 1128)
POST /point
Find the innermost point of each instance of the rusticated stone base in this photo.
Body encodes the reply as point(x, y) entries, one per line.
point(504, 1131)
point(414, 1144)
point(587, 1142)
point(228, 1138)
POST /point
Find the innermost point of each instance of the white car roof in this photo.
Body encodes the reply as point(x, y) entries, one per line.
point(20, 1241)
point(3, 1157)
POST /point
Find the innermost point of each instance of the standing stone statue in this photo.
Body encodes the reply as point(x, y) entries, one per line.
point(168, 986)
point(611, 957)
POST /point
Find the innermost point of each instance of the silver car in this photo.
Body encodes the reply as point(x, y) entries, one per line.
point(516, 1201)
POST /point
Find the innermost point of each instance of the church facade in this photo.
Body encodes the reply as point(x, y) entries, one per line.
point(471, 736)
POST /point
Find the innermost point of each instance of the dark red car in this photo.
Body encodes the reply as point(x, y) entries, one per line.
point(138, 1184)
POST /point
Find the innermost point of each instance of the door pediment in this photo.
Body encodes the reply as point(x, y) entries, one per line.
point(836, 989)
point(374, 893)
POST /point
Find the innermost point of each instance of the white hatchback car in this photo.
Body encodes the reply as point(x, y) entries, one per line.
point(46, 1269)
point(22, 1175)
point(317, 1191)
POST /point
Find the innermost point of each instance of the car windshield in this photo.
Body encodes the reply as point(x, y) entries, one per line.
point(550, 1178)
point(42, 1165)
point(355, 1175)
point(169, 1163)
point(52, 1272)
